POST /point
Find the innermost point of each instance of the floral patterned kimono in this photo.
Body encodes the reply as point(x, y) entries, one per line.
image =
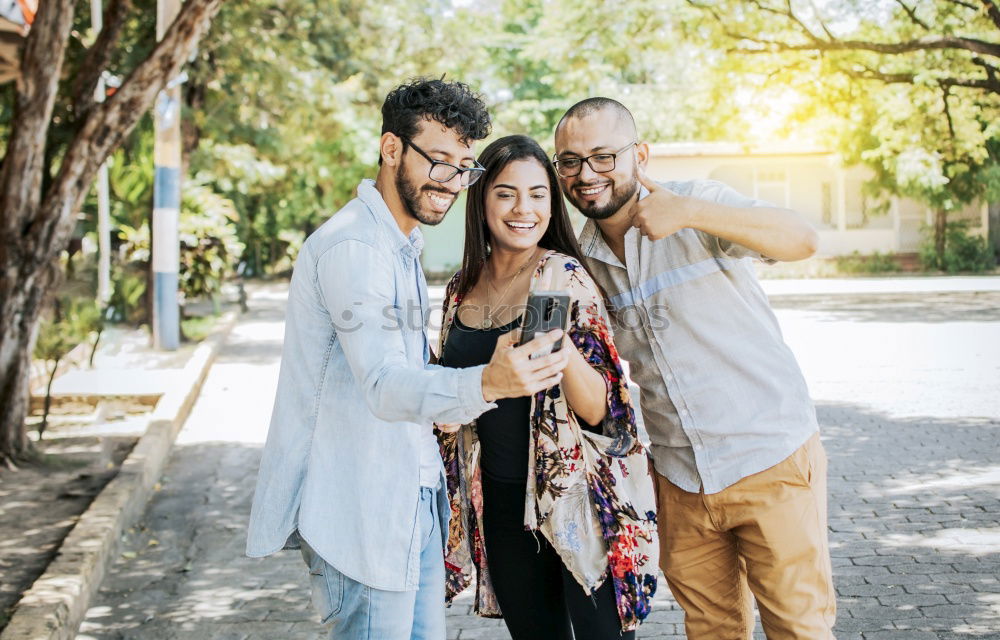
point(590, 495)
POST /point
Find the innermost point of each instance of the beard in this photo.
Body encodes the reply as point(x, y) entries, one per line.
point(620, 195)
point(410, 196)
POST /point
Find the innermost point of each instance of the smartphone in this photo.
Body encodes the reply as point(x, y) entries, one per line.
point(545, 311)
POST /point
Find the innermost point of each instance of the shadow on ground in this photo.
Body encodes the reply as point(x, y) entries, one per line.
point(42, 501)
point(915, 522)
point(941, 307)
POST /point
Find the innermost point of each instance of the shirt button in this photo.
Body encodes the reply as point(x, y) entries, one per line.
point(697, 447)
point(684, 412)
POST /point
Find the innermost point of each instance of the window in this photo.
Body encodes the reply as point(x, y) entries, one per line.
point(771, 185)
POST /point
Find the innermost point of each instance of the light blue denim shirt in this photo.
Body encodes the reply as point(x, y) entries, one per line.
point(341, 466)
point(722, 396)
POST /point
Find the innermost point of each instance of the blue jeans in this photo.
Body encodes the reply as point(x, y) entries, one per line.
point(359, 612)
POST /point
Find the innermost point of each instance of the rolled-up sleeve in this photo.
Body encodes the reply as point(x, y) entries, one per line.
point(724, 194)
point(367, 323)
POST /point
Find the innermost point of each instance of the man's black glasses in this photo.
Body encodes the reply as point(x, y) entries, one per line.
point(444, 172)
point(599, 162)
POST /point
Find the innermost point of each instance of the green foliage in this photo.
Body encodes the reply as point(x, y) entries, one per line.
point(197, 328)
point(963, 251)
point(128, 297)
point(209, 246)
point(282, 105)
point(873, 264)
point(923, 120)
point(72, 322)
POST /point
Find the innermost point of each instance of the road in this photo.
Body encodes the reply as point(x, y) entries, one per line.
point(908, 394)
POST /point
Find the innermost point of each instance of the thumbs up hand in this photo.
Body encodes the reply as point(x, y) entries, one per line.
point(661, 213)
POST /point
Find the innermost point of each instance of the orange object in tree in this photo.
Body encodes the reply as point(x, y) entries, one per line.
point(28, 9)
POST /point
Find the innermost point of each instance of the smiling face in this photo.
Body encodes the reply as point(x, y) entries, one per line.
point(518, 206)
point(424, 199)
point(599, 195)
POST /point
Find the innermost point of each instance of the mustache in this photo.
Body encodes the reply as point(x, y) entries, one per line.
point(440, 190)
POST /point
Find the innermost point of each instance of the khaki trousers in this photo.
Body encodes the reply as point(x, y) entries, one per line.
point(764, 535)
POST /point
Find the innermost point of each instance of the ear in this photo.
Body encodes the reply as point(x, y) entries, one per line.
point(391, 149)
point(642, 154)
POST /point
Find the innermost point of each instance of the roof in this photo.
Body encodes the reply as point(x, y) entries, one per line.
point(722, 149)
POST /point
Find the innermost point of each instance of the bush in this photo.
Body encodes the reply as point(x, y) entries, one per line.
point(963, 251)
point(72, 322)
point(209, 247)
point(128, 296)
point(876, 263)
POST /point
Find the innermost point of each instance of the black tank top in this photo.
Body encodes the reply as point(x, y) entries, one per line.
point(503, 432)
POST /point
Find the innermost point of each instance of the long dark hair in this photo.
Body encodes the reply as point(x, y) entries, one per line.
point(558, 237)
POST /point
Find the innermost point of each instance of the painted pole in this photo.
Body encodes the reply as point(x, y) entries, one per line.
point(166, 200)
point(103, 188)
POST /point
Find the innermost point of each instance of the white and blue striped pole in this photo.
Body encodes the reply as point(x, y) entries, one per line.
point(166, 200)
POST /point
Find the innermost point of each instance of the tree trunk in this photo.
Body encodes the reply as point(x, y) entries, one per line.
point(20, 306)
point(48, 400)
point(34, 226)
point(993, 228)
point(940, 229)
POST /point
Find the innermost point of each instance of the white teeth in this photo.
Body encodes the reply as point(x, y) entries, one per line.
point(439, 201)
point(522, 225)
point(591, 191)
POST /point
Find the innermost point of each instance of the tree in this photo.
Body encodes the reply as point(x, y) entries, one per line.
point(40, 193)
point(914, 84)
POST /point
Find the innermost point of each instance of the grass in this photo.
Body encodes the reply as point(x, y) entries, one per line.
point(873, 264)
point(197, 328)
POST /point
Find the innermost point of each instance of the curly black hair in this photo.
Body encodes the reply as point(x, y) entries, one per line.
point(453, 104)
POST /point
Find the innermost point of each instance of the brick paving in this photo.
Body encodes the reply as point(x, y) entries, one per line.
point(914, 519)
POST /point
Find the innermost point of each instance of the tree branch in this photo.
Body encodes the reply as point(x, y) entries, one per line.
point(913, 15)
point(108, 123)
point(99, 55)
point(789, 14)
point(989, 84)
point(945, 94)
point(993, 11)
point(967, 5)
point(893, 48)
point(991, 71)
point(822, 24)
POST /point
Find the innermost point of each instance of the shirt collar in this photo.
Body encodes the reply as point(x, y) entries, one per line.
point(592, 240)
point(368, 194)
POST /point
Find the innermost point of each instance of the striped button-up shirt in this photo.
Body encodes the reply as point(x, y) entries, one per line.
point(721, 393)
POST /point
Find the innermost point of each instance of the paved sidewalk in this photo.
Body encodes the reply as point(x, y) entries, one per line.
point(893, 285)
point(914, 506)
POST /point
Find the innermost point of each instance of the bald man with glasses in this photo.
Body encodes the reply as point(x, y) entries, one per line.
point(739, 467)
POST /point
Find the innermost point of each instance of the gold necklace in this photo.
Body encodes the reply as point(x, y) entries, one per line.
point(488, 322)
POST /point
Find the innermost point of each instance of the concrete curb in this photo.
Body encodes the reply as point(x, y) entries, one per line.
point(55, 605)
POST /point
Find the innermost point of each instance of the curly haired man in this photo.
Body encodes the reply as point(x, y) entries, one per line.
point(351, 473)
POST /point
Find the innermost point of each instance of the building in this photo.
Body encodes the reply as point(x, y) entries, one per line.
point(810, 180)
point(814, 182)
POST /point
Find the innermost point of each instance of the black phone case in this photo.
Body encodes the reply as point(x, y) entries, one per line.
point(545, 311)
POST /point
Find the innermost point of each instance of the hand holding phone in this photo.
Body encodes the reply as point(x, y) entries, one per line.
point(545, 311)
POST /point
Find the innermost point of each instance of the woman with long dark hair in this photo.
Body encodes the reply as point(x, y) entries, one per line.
point(552, 502)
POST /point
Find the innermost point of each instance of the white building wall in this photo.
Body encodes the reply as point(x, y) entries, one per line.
point(831, 197)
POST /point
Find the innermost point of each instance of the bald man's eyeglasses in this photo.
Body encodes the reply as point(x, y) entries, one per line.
point(599, 162)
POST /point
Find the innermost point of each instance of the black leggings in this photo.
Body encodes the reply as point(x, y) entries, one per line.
point(537, 594)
